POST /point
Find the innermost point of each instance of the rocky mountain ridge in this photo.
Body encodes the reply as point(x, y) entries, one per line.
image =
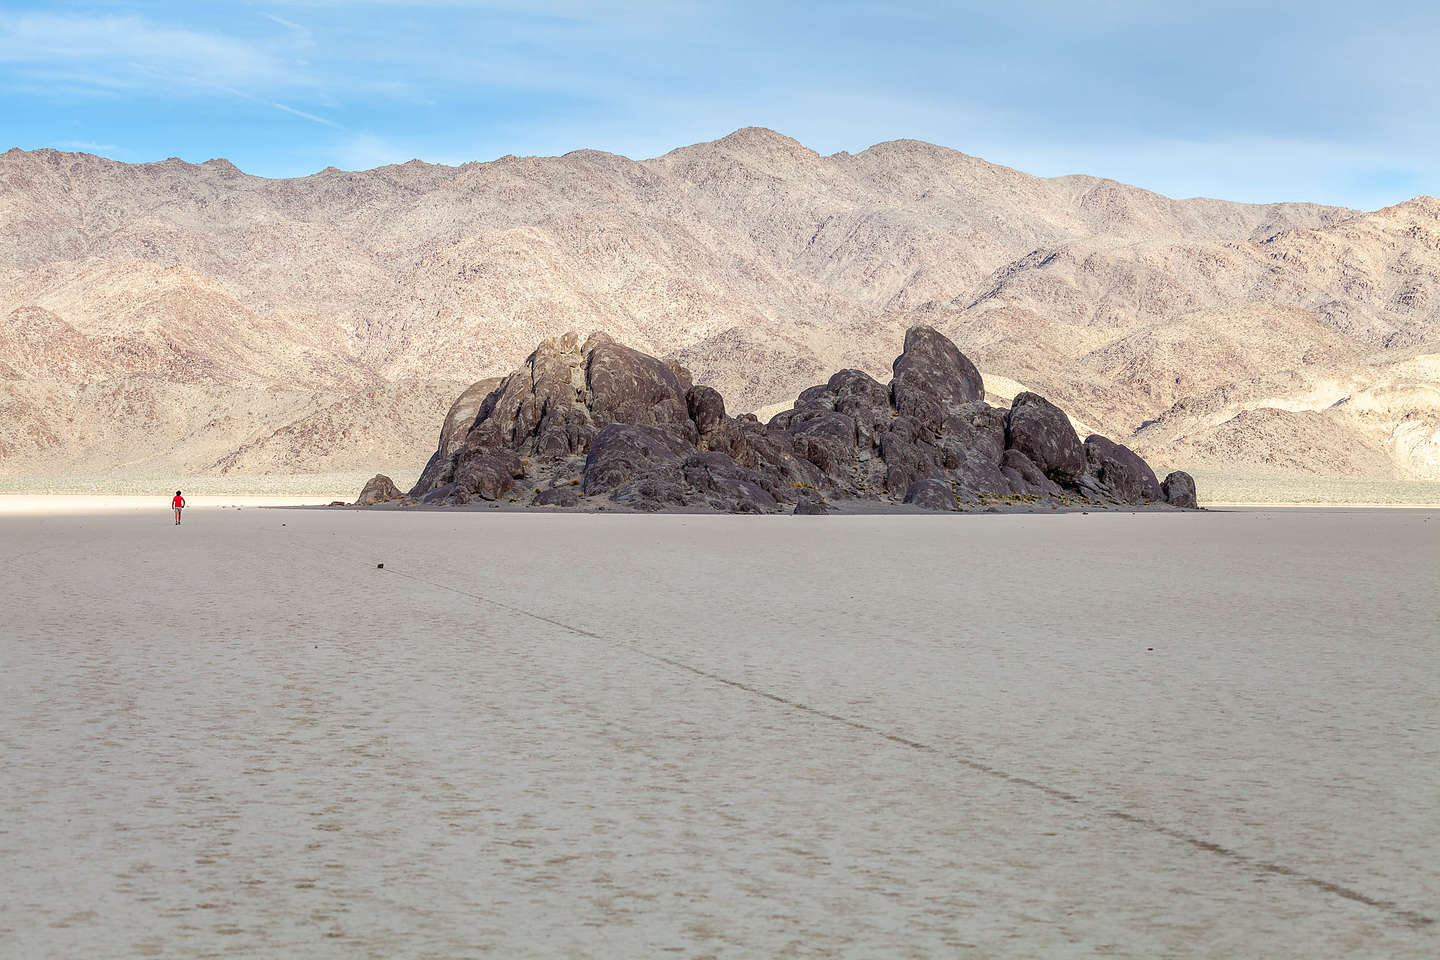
point(229, 311)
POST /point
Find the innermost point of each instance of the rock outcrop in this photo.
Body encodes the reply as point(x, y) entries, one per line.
point(378, 489)
point(1041, 431)
point(1120, 472)
point(599, 421)
point(1179, 489)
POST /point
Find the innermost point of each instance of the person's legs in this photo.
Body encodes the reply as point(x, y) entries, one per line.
point(177, 516)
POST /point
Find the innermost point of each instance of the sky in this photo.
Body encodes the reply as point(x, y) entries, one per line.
point(1334, 102)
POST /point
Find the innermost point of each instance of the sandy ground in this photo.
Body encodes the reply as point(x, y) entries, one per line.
point(14, 504)
point(1210, 734)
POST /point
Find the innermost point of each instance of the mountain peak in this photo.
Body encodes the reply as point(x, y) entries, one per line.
point(762, 139)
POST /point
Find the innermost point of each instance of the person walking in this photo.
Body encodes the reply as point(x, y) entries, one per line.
point(177, 503)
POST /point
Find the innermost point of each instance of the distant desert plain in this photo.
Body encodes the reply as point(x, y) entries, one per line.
point(169, 324)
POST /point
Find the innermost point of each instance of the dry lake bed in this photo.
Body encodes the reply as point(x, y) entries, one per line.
point(1145, 735)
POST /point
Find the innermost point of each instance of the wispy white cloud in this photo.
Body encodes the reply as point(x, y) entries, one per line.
point(103, 55)
point(300, 34)
point(307, 116)
point(283, 22)
point(117, 50)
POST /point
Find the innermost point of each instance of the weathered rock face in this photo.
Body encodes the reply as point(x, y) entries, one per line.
point(565, 496)
point(933, 379)
point(931, 494)
point(623, 453)
point(600, 420)
point(726, 485)
point(1025, 477)
point(1041, 431)
point(810, 504)
point(1120, 472)
point(452, 434)
point(1179, 490)
point(378, 489)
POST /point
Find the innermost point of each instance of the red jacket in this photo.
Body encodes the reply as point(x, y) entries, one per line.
point(177, 502)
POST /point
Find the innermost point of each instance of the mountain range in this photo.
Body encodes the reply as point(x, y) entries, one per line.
point(193, 319)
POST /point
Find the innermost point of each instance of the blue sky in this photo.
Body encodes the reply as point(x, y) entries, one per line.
point(1332, 102)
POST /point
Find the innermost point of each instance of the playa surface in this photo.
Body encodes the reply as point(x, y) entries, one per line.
point(1140, 735)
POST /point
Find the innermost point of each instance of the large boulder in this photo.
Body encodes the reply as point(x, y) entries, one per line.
point(851, 393)
point(378, 489)
point(931, 494)
point(458, 421)
point(627, 386)
point(446, 493)
point(1041, 431)
point(810, 503)
point(977, 431)
point(933, 379)
point(1120, 471)
point(554, 405)
point(971, 447)
point(658, 488)
point(1179, 490)
point(706, 409)
point(768, 454)
point(539, 409)
point(556, 497)
point(489, 475)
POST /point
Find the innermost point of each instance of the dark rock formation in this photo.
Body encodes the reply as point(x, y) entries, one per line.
point(931, 494)
point(598, 420)
point(565, 496)
point(453, 432)
point(726, 485)
point(1025, 477)
point(1179, 490)
point(933, 379)
point(809, 503)
point(1119, 471)
point(378, 489)
point(624, 452)
point(488, 474)
point(1041, 431)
